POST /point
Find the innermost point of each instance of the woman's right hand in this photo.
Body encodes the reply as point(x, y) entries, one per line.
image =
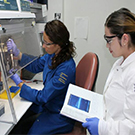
point(11, 46)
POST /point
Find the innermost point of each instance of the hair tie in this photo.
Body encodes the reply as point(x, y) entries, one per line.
point(67, 43)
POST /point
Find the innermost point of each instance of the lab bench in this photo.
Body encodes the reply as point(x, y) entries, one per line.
point(20, 106)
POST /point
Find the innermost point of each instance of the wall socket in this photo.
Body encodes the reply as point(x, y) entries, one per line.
point(57, 16)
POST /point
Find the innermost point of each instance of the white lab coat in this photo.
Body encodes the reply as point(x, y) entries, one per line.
point(119, 99)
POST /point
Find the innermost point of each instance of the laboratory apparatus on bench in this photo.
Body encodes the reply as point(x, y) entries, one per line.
point(1, 83)
point(25, 36)
point(20, 26)
point(2, 109)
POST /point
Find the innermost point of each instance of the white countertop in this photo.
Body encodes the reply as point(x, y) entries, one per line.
point(20, 106)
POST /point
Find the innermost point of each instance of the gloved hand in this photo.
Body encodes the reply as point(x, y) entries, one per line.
point(15, 78)
point(92, 125)
point(12, 46)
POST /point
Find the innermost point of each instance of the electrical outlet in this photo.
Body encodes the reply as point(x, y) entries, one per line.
point(57, 16)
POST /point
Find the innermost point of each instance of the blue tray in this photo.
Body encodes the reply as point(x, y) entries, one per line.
point(14, 89)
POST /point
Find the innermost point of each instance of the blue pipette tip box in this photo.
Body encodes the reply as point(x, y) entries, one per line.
point(14, 89)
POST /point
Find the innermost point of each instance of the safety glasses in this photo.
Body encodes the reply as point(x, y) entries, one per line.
point(109, 38)
point(44, 42)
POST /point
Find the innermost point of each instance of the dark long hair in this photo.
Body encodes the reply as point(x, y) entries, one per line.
point(58, 34)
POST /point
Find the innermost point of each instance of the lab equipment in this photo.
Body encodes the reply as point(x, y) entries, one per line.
point(19, 27)
point(10, 5)
point(14, 89)
point(17, 22)
point(2, 109)
point(12, 60)
point(25, 36)
point(1, 86)
point(25, 5)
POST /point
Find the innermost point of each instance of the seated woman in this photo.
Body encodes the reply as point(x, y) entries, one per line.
point(58, 69)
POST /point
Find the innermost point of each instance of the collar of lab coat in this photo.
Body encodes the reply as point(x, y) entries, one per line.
point(126, 62)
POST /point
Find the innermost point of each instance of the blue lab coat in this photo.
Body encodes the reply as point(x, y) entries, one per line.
point(50, 99)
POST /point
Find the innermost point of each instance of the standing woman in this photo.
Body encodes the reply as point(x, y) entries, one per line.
point(58, 69)
point(119, 91)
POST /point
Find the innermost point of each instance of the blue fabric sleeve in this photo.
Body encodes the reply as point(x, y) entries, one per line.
point(36, 66)
point(54, 87)
point(26, 59)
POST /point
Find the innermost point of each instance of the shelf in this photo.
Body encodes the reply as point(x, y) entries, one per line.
point(16, 14)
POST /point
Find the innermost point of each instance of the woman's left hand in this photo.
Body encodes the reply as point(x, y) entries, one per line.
point(15, 77)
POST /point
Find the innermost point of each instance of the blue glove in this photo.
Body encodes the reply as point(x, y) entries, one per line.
point(92, 125)
point(15, 78)
point(12, 46)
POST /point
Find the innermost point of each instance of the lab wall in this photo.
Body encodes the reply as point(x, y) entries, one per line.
point(96, 13)
point(55, 9)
